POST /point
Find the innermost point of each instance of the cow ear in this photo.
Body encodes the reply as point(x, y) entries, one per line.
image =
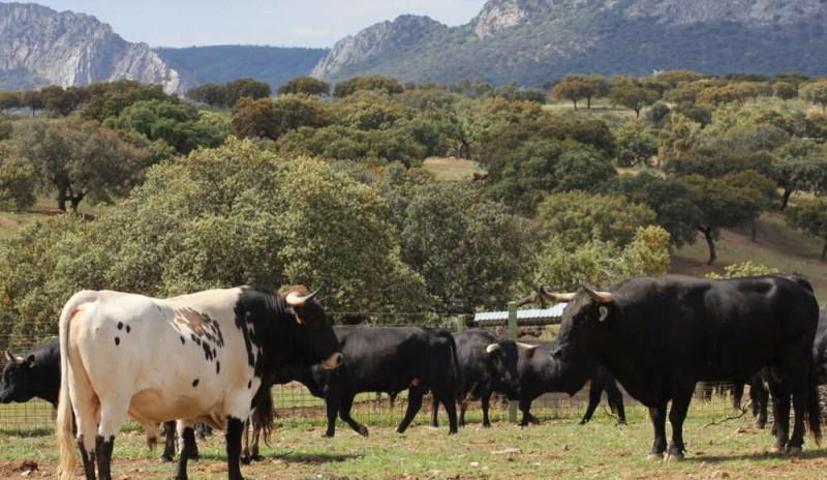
point(604, 312)
point(30, 360)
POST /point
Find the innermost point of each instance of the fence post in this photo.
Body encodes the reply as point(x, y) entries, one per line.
point(512, 335)
point(460, 323)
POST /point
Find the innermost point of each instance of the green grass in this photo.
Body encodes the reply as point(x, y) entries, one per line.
point(556, 449)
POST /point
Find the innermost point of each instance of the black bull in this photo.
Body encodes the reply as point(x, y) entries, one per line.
point(383, 359)
point(660, 336)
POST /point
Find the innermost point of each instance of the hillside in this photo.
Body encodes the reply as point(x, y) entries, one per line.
point(534, 41)
point(224, 63)
point(40, 46)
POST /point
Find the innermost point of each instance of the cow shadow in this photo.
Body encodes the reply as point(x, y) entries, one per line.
point(753, 456)
point(313, 458)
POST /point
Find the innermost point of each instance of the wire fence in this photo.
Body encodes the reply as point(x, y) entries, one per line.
point(295, 403)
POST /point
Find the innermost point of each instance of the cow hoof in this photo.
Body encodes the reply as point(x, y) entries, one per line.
point(167, 458)
point(760, 425)
point(327, 435)
point(363, 431)
point(245, 459)
point(654, 456)
point(777, 449)
point(486, 425)
point(674, 457)
point(794, 451)
point(622, 423)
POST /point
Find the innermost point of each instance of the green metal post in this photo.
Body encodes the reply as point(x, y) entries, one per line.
point(460, 322)
point(512, 334)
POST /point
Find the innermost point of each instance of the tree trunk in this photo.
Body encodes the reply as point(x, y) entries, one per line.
point(637, 113)
point(61, 198)
point(710, 242)
point(785, 199)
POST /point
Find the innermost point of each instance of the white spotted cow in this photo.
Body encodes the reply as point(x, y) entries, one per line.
point(198, 357)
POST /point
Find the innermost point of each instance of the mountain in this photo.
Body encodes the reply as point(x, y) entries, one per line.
point(533, 41)
point(40, 46)
point(223, 63)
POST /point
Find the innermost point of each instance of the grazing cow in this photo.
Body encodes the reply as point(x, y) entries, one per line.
point(198, 357)
point(387, 360)
point(540, 373)
point(659, 336)
point(35, 374)
point(487, 364)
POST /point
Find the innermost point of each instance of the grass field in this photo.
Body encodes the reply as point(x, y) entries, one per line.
point(556, 449)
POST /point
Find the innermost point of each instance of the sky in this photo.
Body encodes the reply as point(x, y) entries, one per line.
point(303, 23)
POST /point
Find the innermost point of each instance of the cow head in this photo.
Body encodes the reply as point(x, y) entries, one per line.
point(583, 325)
point(16, 380)
point(502, 360)
point(314, 330)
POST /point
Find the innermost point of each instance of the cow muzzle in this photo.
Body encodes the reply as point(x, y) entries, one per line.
point(333, 361)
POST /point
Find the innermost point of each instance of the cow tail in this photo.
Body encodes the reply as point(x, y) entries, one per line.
point(264, 413)
point(457, 373)
point(65, 416)
point(814, 408)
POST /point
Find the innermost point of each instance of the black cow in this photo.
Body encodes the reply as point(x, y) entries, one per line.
point(36, 374)
point(659, 336)
point(759, 395)
point(387, 360)
point(541, 373)
point(487, 364)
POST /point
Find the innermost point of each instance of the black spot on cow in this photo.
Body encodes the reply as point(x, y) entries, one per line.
point(120, 325)
point(117, 341)
point(249, 384)
point(183, 341)
point(207, 351)
point(217, 367)
point(195, 382)
point(128, 329)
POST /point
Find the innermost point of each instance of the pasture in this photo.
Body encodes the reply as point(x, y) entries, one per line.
point(559, 448)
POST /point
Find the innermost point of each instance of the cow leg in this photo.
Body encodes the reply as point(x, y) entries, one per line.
point(486, 404)
point(616, 401)
point(463, 407)
point(187, 434)
point(415, 395)
point(344, 414)
point(246, 457)
point(658, 417)
point(677, 414)
point(434, 412)
point(113, 412)
point(332, 403)
point(254, 450)
point(169, 442)
point(595, 392)
point(103, 454)
point(781, 415)
point(528, 418)
point(87, 460)
point(737, 394)
point(235, 428)
point(762, 395)
point(448, 400)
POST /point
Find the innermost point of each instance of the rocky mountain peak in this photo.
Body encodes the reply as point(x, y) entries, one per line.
point(40, 46)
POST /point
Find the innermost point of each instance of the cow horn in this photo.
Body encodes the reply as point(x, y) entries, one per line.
point(600, 297)
point(556, 297)
point(295, 300)
point(8, 356)
point(526, 346)
point(492, 348)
